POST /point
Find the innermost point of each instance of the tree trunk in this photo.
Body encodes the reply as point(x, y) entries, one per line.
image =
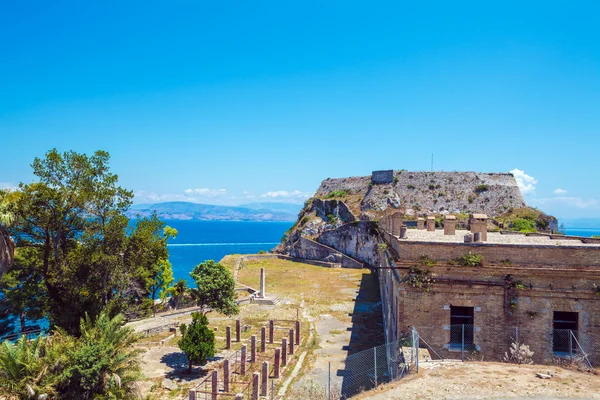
point(22, 318)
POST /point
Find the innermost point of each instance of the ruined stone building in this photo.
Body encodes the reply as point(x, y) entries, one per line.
point(450, 263)
point(481, 291)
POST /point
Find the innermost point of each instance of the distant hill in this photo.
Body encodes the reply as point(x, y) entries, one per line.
point(283, 207)
point(181, 210)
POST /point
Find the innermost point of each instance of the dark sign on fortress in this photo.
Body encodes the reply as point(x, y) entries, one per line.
point(386, 176)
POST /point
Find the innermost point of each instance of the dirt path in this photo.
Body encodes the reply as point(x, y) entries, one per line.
point(474, 380)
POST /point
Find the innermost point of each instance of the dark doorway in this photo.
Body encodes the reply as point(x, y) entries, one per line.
point(566, 325)
point(461, 326)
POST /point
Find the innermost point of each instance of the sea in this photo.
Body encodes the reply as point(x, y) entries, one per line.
point(198, 241)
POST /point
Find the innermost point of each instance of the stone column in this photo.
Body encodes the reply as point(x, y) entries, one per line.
point(262, 283)
point(238, 331)
point(450, 225)
point(396, 223)
point(284, 346)
point(271, 330)
point(226, 375)
point(263, 339)
point(431, 224)
point(255, 385)
point(264, 387)
point(253, 348)
point(192, 394)
point(243, 361)
point(291, 342)
point(420, 223)
point(277, 363)
point(215, 384)
point(297, 333)
point(228, 338)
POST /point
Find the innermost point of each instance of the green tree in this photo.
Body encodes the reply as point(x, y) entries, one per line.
point(524, 225)
point(197, 341)
point(178, 292)
point(73, 214)
point(215, 288)
point(24, 291)
point(7, 245)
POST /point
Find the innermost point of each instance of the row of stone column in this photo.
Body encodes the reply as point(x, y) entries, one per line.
point(280, 360)
point(263, 335)
point(260, 384)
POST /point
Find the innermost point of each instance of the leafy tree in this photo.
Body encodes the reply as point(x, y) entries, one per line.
point(24, 292)
point(160, 281)
point(7, 245)
point(178, 291)
point(197, 340)
point(89, 257)
point(73, 214)
point(215, 288)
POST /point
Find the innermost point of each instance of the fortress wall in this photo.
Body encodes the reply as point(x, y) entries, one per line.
point(517, 254)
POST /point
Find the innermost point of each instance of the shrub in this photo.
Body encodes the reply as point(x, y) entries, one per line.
point(337, 193)
point(426, 261)
point(410, 186)
point(524, 225)
point(197, 340)
point(470, 199)
point(481, 188)
point(419, 278)
point(471, 260)
point(521, 354)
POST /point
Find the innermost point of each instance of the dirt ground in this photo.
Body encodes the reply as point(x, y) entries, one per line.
point(475, 380)
point(332, 303)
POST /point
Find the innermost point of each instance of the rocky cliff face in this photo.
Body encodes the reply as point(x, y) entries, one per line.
point(344, 211)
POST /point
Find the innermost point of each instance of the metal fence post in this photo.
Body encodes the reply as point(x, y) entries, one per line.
point(329, 383)
point(570, 343)
point(517, 338)
point(462, 347)
point(375, 363)
point(418, 343)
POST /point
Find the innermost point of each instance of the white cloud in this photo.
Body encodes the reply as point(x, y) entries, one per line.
point(206, 192)
point(526, 182)
point(7, 185)
point(560, 191)
point(296, 195)
point(576, 202)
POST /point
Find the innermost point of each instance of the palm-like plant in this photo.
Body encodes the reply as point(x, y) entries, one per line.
point(28, 368)
point(7, 246)
point(105, 365)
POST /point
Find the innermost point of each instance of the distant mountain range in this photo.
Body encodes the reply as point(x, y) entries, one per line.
point(181, 210)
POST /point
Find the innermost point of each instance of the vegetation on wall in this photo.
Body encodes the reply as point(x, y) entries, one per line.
point(469, 260)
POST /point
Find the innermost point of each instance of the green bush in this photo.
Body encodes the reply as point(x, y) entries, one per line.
point(471, 260)
point(481, 188)
point(336, 193)
point(524, 225)
point(410, 186)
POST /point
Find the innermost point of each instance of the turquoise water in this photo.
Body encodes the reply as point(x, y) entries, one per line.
point(199, 241)
point(588, 232)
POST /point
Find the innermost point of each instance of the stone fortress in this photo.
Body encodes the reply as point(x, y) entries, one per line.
point(449, 264)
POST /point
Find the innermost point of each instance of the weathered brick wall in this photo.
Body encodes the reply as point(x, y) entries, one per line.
point(557, 279)
point(493, 253)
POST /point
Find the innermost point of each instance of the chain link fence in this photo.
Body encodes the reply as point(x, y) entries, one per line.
point(510, 344)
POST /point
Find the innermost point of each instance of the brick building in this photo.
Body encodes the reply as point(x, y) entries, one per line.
point(480, 291)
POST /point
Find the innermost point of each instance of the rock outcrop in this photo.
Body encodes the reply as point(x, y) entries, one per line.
point(344, 212)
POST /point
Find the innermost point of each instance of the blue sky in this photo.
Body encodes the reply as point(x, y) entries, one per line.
point(229, 102)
